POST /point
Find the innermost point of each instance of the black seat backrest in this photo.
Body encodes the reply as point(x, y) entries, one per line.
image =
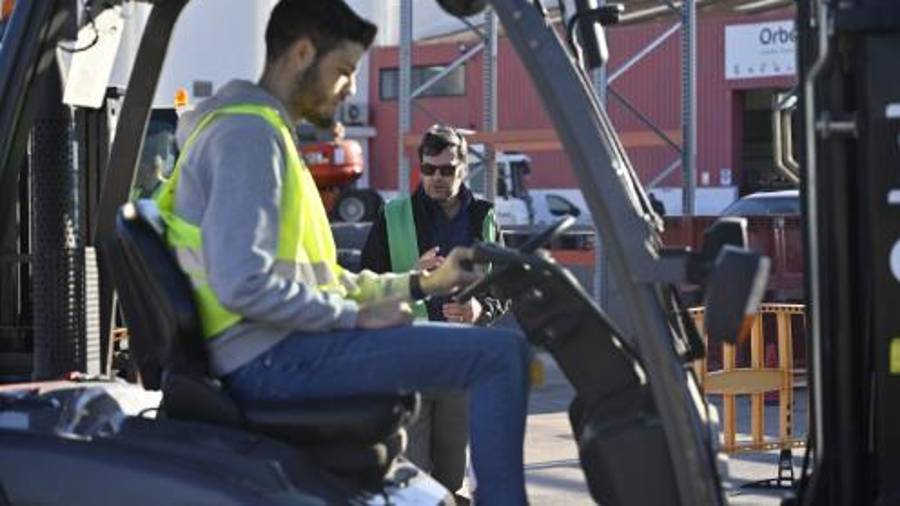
point(156, 297)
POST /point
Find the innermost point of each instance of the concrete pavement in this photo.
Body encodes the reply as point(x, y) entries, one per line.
point(554, 477)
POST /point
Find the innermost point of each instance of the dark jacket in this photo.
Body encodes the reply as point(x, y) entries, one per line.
point(376, 256)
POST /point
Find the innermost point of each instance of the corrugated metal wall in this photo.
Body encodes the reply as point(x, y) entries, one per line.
point(653, 86)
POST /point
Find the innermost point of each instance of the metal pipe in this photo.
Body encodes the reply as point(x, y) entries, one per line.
point(664, 174)
point(643, 119)
point(449, 68)
point(786, 103)
point(489, 118)
point(671, 5)
point(651, 13)
point(812, 215)
point(689, 105)
point(787, 143)
point(777, 150)
point(762, 6)
point(601, 259)
point(778, 146)
point(643, 52)
point(645, 14)
point(404, 98)
point(470, 26)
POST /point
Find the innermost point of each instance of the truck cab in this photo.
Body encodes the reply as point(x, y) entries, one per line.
point(513, 203)
point(517, 205)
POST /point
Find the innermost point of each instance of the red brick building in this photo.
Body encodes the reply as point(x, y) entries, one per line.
point(732, 117)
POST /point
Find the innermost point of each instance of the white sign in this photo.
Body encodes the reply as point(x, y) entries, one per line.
point(760, 50)
point(725, 177)
point(92, 62)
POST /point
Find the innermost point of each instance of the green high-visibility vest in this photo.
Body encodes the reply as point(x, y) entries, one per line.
point(306, 251)
point(403, 241)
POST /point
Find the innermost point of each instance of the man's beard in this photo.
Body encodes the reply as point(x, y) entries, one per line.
point(445, 195)
point(310, 97)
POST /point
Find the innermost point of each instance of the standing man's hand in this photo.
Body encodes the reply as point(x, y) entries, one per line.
point(454, 273)
point(383, 314)
point(465, 312)
point(430, 260)
point(338, 131)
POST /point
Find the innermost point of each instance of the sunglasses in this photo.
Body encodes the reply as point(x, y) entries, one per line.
point(448, 170)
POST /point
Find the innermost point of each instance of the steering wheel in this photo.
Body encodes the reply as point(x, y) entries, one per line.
point(547, 235)
point(491, 253)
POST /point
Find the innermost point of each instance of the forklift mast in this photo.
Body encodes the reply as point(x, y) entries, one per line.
point(851, 108)
point(42, 249)
point(617, 201)
point(851, 194)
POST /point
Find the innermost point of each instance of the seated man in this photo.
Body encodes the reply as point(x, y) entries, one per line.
point(282, 320)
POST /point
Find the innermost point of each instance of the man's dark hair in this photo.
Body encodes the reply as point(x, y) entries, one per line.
point(327, 23)
point(440, 137)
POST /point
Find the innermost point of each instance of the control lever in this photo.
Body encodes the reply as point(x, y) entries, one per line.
point(490, 253)
point(486, 253)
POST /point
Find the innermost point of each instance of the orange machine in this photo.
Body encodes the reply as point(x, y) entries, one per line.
point(335, 165)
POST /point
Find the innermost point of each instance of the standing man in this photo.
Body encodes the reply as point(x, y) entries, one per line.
point(414, 233)
point(282, 319)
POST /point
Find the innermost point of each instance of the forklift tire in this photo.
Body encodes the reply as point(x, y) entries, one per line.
point(354, 206)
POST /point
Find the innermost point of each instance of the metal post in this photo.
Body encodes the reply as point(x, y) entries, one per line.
point(664, 174)
point(490, 101)
point(601, 83)
point(649, 48)
point(404, 102)
point(57, 347)
point(822, 47)
point(84, 266)
point(689, 104)
point(468, 55)
point(58, 268)
point(601, 260)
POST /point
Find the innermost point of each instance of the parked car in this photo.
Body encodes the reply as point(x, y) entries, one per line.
point(554, 206)
point(774, 228)
point(784, 202)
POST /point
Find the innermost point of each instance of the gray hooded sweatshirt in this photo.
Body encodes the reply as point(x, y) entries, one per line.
point(230, 187)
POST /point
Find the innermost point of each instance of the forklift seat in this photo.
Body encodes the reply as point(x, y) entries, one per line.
point(168, 346)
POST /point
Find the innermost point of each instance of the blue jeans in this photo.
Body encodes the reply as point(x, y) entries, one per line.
point(491, 363)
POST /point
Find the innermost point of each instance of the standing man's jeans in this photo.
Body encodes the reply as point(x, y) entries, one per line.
point(491, 363)
point(439, 437)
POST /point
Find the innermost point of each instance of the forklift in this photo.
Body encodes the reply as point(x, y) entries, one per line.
point(72, 244)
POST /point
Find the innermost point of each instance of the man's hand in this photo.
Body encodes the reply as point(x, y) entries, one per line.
point(450, 276)
point(430, 260)
point(466, 312)
point(383, 314)
point(338, 131)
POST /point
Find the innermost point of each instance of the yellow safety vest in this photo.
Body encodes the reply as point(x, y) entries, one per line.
point(306, 250)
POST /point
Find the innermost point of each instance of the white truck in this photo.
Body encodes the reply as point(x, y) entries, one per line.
point(205, 53)
point(517, 205)
point(199, 62)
